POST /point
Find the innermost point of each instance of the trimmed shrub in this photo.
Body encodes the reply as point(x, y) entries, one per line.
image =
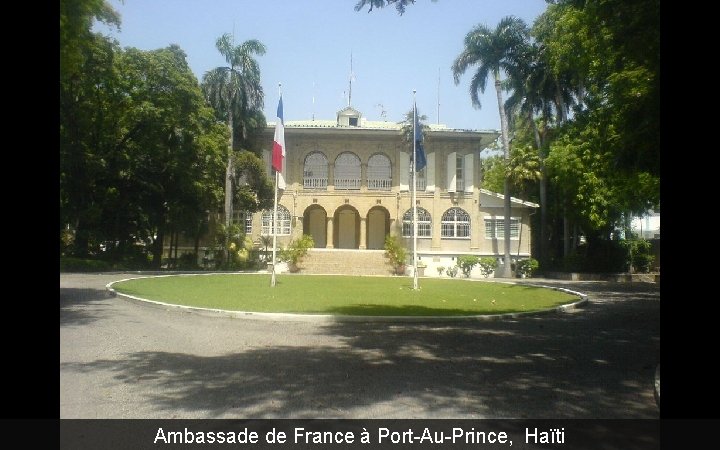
point(527, 267)
point(466, 264)
point(487, 264)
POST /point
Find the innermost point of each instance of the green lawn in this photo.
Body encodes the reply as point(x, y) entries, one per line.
point(371, 296)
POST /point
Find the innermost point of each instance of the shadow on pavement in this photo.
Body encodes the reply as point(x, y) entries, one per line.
point(74, 302)
point(595, 363)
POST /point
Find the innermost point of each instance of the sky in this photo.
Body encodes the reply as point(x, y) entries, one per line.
point(309, 46)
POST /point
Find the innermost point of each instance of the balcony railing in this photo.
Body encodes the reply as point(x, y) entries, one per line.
point(380, 184)
point(347, 183)
point(315, 183)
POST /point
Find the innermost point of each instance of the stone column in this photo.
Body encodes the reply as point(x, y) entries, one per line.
point(329, 237)
point(363, 233)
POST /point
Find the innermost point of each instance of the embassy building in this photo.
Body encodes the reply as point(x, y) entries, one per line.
point(348, 185)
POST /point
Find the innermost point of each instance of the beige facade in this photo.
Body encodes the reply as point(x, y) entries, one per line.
point(348, 185)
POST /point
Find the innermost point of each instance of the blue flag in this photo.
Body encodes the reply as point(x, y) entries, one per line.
point(420, 161)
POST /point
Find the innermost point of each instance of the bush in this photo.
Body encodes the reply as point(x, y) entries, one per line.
point(643, 262)
point(70, 264)
point(597, 256)
point(487, 264)
point(297, 249)
point(452, 271)
point(527, 267)
point(396, 252)
point(187, 261)
point(440, 270)
point(639, 254)
point(466, 264)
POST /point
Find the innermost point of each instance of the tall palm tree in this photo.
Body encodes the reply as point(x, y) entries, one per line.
point(536, 91)
point(236, 94)
point(532, 90)
point(493, 52)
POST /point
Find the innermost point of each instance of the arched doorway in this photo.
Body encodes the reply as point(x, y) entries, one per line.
point(378, 226)
point(315, 224)
point(347, 227)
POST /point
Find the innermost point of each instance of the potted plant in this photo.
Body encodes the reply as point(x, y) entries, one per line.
point(297, 249)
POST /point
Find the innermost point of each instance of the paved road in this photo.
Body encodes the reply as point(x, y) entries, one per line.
point(119, 359)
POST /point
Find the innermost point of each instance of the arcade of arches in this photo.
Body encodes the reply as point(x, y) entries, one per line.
point(346, 228)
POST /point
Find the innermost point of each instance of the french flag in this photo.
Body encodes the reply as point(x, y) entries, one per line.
point(278, 152)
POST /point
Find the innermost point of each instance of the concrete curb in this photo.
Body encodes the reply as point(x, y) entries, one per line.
point(329, 318)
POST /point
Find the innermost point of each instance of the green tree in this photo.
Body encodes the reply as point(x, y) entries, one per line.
point(605, 159)
point(86, 68)
point(171, 158)
point(533, 90)
point(236, 94)
point(76, 20)
point(493, 51)
point(400, 5)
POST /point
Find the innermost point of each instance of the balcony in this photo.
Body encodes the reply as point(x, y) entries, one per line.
point(315, 183)
point(379, 184)
point(347, 183)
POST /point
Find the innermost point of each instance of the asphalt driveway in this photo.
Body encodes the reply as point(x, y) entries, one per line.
point(119, 359)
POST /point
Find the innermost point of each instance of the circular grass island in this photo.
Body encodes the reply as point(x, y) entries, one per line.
point(345, 295)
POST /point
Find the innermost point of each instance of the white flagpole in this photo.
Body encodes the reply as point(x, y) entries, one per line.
point(414, 194)
point(274, 222)
point(274, 231)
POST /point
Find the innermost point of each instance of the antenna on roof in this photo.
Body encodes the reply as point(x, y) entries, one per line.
point(438, 98)
point(383, 112)
point(352, 76)
point(313, 101)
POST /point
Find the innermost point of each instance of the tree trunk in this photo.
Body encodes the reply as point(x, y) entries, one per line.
point(158, 245)
point(229, 188)
point(507, 260)
point(559, 103)
point(171, 246)
point(542, 183)
point(177, 237)
point(197, 241)
point(82, 240)
point(566, 234)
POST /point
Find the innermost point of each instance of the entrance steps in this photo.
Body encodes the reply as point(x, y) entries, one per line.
point(345, 262)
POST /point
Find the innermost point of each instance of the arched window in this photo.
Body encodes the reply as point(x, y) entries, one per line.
point(379, 173)
point(424, 223)
point(347, 171)
point(315, 171)
point(455, 224)
point(283, 217)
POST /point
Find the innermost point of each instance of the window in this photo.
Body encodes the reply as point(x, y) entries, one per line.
point(424, 223)
point(379, 173)
point(347, 171)
point(495, 228)
point(315, 171)
point(244, 220)
point(455, 224)
point(353, 121)
point(459, 170)
point(283, 216)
